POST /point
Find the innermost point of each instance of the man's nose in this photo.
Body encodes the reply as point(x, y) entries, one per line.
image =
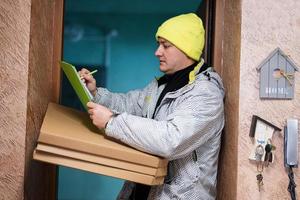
point(158, 51)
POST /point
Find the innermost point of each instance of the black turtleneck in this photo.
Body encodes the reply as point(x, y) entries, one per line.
point(176, 81)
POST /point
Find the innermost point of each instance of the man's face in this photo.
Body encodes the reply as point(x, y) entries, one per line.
point(171, 59)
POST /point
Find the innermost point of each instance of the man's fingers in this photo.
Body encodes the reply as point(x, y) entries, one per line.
point(91, 111)
point(83, 71)
point(88, 77)
point(84, 74)
point(91, 104)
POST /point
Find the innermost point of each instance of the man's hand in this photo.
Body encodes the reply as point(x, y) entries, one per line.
point(99, 114)
point(88, 80)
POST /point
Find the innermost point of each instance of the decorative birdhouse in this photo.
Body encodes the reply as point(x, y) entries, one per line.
point(277, 74)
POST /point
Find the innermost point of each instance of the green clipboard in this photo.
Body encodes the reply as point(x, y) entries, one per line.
point(80, 88)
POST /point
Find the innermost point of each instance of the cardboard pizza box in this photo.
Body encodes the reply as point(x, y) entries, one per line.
point(68, 138)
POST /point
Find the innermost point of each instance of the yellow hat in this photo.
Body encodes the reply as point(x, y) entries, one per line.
point(186, 32)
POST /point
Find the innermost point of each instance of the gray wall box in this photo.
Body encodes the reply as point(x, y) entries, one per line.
point(277, 74)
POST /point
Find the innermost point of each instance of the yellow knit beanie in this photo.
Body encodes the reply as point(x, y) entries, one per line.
point(186, 32)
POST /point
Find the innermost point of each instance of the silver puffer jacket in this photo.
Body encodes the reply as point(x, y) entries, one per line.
point(186, 130)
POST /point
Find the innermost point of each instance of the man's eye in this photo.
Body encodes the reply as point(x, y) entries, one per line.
point(166, 46)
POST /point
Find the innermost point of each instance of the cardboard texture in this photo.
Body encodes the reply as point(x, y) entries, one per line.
point(69, 138)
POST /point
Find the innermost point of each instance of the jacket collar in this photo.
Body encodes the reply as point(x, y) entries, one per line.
point(189, 86)
point(193, 73)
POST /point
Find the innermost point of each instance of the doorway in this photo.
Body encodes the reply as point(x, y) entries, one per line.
point(117, 38)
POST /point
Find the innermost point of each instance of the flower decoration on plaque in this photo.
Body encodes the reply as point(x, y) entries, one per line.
point(277, 74)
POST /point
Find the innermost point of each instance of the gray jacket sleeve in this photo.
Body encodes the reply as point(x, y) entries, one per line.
point(130, 102)
point(194, 121)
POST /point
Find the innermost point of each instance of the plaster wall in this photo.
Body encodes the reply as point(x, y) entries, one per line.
point(266, 25)
point(14, 49)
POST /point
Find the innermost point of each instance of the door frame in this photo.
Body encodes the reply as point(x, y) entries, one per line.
point(213, 52)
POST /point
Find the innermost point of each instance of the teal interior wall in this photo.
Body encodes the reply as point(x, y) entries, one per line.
point(132, 60)
point(131, 65)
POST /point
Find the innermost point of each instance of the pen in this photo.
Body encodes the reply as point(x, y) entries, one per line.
point(91, 73)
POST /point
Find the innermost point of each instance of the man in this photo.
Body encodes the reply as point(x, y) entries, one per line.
point(179, 116)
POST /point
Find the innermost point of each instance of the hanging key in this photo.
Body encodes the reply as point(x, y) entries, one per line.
point(260, 182)
point(268, 155)
point(259, 152)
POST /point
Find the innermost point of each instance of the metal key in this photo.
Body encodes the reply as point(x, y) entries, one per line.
point(268, 156)
point(259, 152)
point(260, 182)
